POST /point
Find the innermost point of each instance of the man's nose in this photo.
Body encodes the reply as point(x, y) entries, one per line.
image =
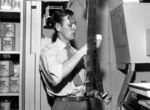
point(74, 26)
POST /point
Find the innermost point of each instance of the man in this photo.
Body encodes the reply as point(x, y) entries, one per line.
point(59, 69)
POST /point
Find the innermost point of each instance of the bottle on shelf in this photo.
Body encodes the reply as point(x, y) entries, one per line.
point(5, 104)
point(9, 103)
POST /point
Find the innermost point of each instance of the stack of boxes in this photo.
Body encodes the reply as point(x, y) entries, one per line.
point(7, 36)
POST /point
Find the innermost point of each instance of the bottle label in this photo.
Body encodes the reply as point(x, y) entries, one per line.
point(8, 44)
point(9, 30)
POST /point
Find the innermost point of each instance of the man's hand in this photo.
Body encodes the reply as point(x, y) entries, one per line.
point(83, 50)
point(105, 97)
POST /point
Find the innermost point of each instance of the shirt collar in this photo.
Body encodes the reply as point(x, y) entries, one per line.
point(61, 45)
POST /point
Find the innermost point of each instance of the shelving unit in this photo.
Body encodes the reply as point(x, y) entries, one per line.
point(142, 89)
point(138, 97)
point(15, 87)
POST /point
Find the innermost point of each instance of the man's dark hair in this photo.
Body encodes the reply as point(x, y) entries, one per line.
point(57, 17)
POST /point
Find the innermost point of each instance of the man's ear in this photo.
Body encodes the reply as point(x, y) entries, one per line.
point(58, 27)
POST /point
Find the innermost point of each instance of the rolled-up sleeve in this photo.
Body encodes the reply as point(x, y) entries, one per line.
point(51, 66)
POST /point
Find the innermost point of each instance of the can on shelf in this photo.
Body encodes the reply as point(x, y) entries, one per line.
point(14, 84)
point(6, 4)
point(4, 84)
point(5, 105)
point(9, 30)
point(8, 44)
point(5, 66)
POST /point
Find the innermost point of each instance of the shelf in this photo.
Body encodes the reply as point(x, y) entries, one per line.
point(9, 94)
point(14, 60)
point(9, 52)
point(10, 11)
point(140, 88)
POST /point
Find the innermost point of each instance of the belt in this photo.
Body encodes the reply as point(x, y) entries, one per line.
point(71, 98)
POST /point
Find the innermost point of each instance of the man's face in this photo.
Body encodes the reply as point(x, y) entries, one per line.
point(68, 29)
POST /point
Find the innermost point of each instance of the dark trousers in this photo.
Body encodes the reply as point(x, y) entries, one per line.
point(64, 105)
